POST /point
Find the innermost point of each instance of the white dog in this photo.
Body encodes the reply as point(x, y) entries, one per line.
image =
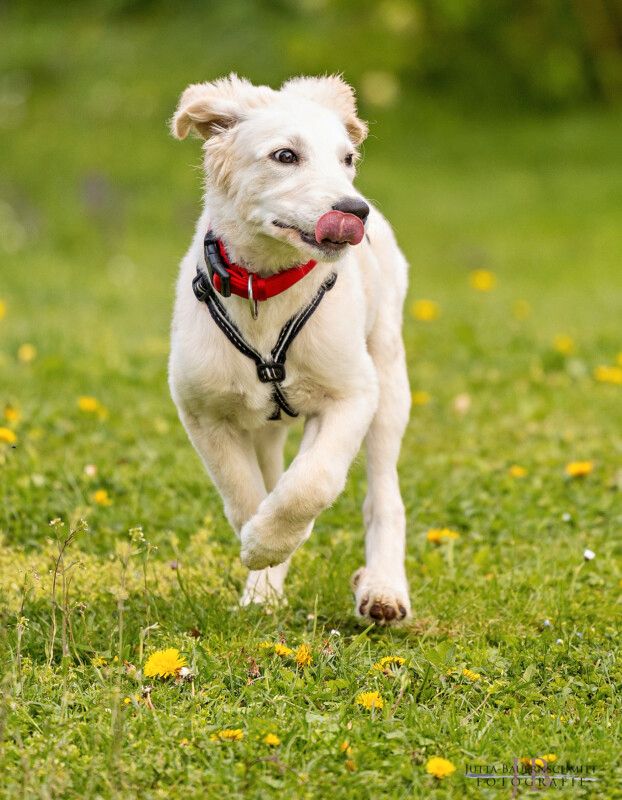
point(295, 264)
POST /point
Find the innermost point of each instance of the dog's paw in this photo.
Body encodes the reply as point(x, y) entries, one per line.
point(379, 599)
point(258, 552)
point(265, 587)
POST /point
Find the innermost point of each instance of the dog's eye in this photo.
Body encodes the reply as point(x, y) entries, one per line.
point(285, 156)
point(349, 160)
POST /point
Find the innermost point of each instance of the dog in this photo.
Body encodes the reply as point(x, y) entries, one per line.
point(289, 304)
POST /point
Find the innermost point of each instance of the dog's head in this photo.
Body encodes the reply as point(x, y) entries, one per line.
point(279, 165)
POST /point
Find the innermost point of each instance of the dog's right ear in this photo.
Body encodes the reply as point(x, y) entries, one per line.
point(211, 108)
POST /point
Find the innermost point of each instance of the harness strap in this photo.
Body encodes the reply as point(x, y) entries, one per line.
point(272, 371)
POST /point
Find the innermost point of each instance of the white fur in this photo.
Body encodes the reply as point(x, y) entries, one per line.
point(346, 371)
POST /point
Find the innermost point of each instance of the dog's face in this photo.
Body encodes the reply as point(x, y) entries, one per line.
point(280, 164)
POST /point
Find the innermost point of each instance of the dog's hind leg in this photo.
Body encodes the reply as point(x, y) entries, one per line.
point(266, 585)
point(380, 587)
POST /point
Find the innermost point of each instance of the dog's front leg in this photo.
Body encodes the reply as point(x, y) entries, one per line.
point(231, 461)
point(313, 481)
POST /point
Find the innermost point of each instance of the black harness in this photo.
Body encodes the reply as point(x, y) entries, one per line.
point(268, 370)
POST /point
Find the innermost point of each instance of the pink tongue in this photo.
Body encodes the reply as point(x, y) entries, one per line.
point(339, 227)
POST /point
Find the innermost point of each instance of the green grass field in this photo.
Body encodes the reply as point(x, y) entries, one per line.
point(97, 205)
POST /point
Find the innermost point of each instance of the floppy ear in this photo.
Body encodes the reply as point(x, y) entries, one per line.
point(334, 93)
point(209, 108)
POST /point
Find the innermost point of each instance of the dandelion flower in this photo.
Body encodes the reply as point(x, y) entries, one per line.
point(439, 535)
point(303, 655)
point(517, 471)
point(102, 498)
point(2, 309)
point(88, 404)
point(265, 645)
point(564, 344)
point(282, 650)
point(605, 374)
point(271, 739)
point(7, 436)
point(12, 414)
point(228, 735)
point(370, 700)
point(579, 469)
point(345, 748)
point(164, 663)
point(472, 676)
point(387, 662)
point(425, 310)
point(439, 767)
point(538, 761)
point(420, 398)
point(98, 661)
point(26, 353)
point(482, 280)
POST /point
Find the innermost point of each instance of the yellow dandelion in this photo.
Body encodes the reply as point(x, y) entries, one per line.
point(421, 398)
point(184, 742)
point(282, 650)
point(605, 374)
point(389, 661)
point(304, 656)
point(425, 310)
point(228, 735)
point(439, 535)
point(265, 645)
point(579, 469)
point(439, 767)
point(482, 280)
point(472, 676)
point(564, 344)
point(538, 761)
point(516, 471)
point(2, 309)
point(521, 309)
point(98, 661)
point(271, 739)
point(26, 353)
point(7, 436)
point(370, 700)
point(12, 414)
point(90, 405)
point(127, 700)
point(164, 663)
point(101, 497)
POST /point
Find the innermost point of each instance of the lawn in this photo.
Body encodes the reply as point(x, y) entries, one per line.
point(512, 228)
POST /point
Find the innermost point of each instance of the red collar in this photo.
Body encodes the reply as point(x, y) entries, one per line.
point(262, 288)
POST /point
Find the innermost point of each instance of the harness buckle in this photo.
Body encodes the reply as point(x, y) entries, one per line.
point(271, 373)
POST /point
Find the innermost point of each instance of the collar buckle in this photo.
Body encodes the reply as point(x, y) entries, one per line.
point(215, 264)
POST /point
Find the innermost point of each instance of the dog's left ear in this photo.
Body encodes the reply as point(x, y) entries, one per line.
point(211, 108)
point(334, 93)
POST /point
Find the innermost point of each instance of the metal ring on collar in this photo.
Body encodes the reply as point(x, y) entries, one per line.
point(251, 299)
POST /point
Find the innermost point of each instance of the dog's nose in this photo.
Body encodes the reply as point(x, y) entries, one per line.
point(353, 205)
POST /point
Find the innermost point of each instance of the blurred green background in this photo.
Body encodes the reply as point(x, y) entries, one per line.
point(495, 143)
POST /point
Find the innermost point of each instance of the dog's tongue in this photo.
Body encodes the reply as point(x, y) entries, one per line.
point(339, 227)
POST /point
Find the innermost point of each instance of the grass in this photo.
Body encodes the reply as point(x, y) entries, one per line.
point(96, 207)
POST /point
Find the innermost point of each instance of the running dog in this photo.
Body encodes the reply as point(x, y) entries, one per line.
point(289, 304)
